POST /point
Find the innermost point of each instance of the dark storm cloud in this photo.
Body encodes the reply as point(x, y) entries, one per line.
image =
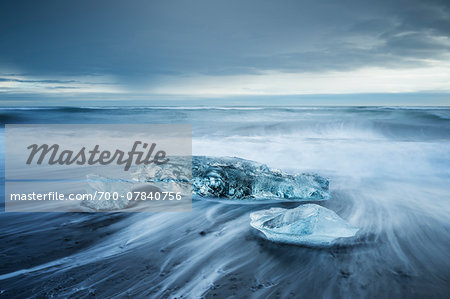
point(146, 39)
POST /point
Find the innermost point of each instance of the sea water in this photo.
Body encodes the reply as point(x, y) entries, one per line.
point(389, 174)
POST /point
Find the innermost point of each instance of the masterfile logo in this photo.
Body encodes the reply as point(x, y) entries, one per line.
point(98, 167)
point(94, 156)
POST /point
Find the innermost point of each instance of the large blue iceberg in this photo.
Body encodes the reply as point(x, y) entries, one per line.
point(308, 224)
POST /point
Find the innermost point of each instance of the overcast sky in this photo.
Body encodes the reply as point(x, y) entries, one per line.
point(59, 52)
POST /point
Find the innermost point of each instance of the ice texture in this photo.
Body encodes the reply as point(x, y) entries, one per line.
point(308, 224)
point(213, 177)
point(105, 185)
point(236, 178)
point(178, 170)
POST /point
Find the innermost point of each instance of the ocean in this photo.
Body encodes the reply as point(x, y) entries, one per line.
point(389, 173)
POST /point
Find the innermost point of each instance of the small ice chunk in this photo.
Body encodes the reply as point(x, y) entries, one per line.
point(104, 190)
point(308, 224)
point(111, 194)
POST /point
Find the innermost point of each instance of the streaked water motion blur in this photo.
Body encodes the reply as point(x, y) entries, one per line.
point(389, 172)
